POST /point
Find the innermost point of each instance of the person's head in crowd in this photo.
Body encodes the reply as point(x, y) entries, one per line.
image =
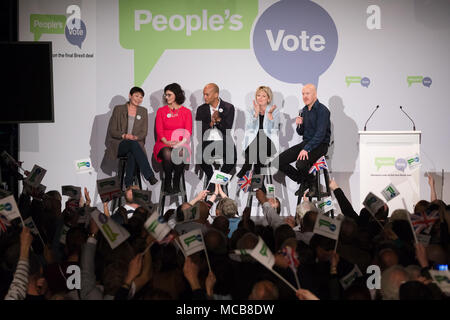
point(276, 204)
point(348, 232)
point(302, 209)
point(204, 213)
point(37, 284)
point(236, 236)
point(357, 291)
point(75, 238)
point(322, 246)
point(168, 214)
point(222, 224)
point(391, 280)
point(215, 241)
point(283, 233)
point(227, 207)
point(175, 89)
point(308, 221)
point(402, 229)
point(415, 290)
point(114, 276)
point(421, 206)
point(399, 214)
point(248, 241)
point(250, 225)
point(436, 254)
point(54, 194)
point(179, 211)
point(414, 272)
point(387, 258)
point(129, 194)
point(264, 290)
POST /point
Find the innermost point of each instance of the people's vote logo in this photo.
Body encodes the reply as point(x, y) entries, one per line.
point(72, 27)
point(295, 41)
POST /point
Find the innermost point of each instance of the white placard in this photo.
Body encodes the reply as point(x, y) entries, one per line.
point(109, 188)
point(325, 205)
point(220, 178)
point(327, 227)
point(158, 229)
point(36, 175)
point(9, 209)
point(83, 165)
point(114, 233)
point(192, 242)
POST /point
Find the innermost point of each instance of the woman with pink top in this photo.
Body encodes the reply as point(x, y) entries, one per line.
point(173, 136)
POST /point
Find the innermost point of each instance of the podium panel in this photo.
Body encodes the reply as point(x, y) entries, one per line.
point(390, 157)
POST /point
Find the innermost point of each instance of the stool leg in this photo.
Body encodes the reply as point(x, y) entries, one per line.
point(318, 185)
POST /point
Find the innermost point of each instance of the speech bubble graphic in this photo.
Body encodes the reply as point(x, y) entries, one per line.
point(427, 82)
point(46, 23)
point(295, 41)
point(401, 164)
point(414, 79)
point(384, 162)
point(151, 27)
point(352, 79)
point(75, 32)
point(365, 82)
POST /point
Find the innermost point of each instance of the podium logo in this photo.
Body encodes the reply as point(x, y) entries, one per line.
point(364, 81)
point(426, 81)
point(72, 27)
point(295, 41)
point(400, 163)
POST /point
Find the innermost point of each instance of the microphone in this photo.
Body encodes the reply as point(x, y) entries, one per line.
point(414, 125)
point(300, 113)
point(376, 108)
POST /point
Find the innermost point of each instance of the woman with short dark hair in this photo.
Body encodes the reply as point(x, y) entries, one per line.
point(127, 131)
point(173, 133)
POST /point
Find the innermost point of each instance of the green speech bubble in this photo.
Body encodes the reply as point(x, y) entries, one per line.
point(414, 79)
point(386, 161)
point(151, 27)
point(47, 23)
point(350, 79)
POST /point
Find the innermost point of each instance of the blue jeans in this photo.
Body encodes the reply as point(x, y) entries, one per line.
point(136, 156)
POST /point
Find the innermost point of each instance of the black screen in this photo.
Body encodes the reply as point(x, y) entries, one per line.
point(27, 84)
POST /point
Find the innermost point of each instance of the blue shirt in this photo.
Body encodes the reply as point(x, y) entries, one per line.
point(316, 126)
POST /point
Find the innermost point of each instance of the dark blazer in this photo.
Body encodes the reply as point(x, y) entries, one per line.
point(118, 125)
point(203, 114)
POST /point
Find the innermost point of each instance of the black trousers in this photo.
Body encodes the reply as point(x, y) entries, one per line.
point(300, 174)
point(168, 165)
point(258, 154)
point(136, 155)
point(225, 150)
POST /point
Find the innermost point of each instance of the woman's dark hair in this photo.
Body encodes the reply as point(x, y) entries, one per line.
point(178, 92)
point(137, 89)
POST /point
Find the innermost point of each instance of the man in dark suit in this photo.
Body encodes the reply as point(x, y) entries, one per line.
point(216, 118)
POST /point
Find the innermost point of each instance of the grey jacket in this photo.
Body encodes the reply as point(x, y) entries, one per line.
point(118, 125)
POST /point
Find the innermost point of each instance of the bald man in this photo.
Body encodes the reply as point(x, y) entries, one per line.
point(313, 124)
point(216, 117)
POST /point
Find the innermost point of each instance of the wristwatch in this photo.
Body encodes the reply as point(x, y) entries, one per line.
point(93, 235)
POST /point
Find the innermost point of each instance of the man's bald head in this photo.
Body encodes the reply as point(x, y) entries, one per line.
point(211, 94)
point(309, 94)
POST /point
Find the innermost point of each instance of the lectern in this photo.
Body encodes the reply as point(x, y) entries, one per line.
point(390, 157)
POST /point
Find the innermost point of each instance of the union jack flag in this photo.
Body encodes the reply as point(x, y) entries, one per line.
point(245, 182)
point(292, 256)
point(4, 224)
point(320, 164)
point(423, 221)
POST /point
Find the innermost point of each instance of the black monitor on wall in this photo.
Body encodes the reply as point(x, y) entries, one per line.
point(27, 82)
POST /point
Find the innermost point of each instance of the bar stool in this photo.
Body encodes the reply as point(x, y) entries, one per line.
point(163, 194)
point(217, 162)
point(319, 194)
point(251, 193)
point(117, 202)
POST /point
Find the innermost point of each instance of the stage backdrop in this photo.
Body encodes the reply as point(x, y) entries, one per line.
point(359, 53)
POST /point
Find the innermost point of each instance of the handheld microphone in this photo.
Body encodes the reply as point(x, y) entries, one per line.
point(414, 125)
point(376, 108)
point(300, 114)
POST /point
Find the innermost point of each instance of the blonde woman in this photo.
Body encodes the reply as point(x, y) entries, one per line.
point(261, 131)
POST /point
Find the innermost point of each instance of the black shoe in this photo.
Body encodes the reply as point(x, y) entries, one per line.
point(313, 192)
point(303, 187)
point(152, 179)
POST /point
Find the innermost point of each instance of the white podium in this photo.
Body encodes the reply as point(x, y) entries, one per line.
point(390, 157)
